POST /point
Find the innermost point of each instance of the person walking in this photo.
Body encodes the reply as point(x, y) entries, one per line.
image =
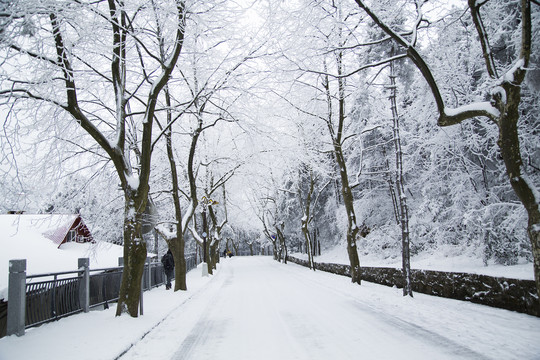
point(168, 266)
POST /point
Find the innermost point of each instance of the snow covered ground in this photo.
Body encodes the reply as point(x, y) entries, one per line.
point(256, 308)
point(441, 260)
point(44, 256)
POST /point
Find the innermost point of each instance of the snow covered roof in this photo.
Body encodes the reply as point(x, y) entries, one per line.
point(36, 238)
point(54, 227)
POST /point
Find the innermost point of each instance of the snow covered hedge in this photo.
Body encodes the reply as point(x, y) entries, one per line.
point(511, 294)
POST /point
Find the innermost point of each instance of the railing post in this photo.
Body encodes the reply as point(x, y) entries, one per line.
point(141, 295)
point(54, 312)
point(84, 289)
point(149, 274)
point(16, 297)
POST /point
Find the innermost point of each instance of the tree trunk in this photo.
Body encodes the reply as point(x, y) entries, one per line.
point(235, 247)
point(348, 199)
point(306, 218)
point(391, 187)
point(402, 198)
point(314, 237)
point(281, 238)
point(352, 232)
point(534, 235)
point(180, 268)
point(352, 228)
point(280, 249)
point(214, 254)
point(134, 260)
point(177, 245)
point(274, 247)
point(208, 260)
point(510, 150)
point(307, 239)
point(346, 192)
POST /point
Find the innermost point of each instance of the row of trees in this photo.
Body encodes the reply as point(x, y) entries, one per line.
point(298, 123)
point(120, 73)
point(441, 186)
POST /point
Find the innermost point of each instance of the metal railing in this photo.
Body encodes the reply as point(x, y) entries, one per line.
point(49, 300)
point(57, 295)
point(105, 286)
point(60, 294)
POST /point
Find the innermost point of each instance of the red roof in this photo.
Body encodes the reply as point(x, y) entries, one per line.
point(55, 227)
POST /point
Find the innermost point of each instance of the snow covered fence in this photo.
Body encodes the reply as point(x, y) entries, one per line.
point(56, 295)
point(511, 294)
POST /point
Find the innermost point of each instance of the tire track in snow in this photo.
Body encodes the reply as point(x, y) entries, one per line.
point(206, 326)
point(269, 311)
point(159, 323)
point(408, 328)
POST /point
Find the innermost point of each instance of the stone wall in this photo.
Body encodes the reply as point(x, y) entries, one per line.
point(511, 294)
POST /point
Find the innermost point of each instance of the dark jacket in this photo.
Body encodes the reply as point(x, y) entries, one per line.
point(168, 261)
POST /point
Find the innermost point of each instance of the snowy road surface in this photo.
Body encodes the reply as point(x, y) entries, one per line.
point(256, 308)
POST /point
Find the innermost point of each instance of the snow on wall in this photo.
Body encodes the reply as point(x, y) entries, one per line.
point(511, 294)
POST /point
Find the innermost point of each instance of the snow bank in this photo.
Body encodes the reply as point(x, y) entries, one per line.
point(44, 256)
point(98, 334)
point(438, 261)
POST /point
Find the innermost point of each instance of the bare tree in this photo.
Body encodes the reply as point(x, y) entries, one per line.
point(336, 134)
point(65, 54)
point(266, 208)
point(217, 228)
point(307, 215)
point(176, 239)
point(206, 110)
point(403, 209)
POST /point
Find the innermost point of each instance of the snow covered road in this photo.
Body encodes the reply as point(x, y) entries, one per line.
point(256, 308)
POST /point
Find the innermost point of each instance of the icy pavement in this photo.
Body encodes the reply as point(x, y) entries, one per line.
point(256, 308)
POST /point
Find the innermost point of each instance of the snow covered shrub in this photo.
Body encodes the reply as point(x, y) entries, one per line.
point(505, 238)
point(383, 242)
